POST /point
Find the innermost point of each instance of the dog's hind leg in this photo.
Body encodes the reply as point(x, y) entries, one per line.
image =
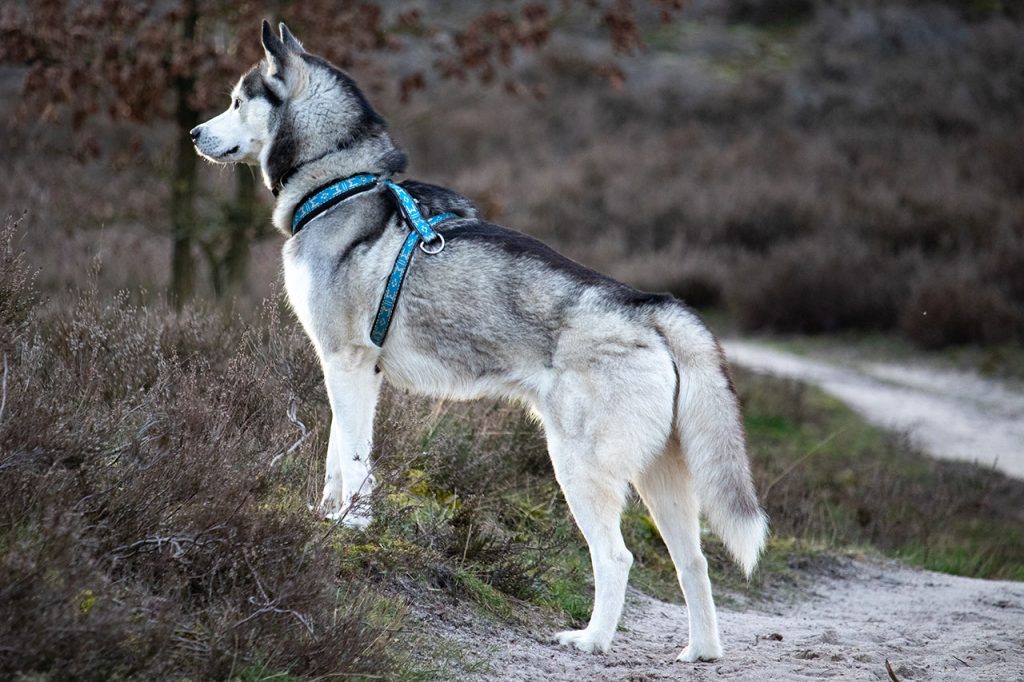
point(352, 388)
point(607, 412)
point(666, 488)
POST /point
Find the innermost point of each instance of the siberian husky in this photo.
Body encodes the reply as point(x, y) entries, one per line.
point(631, 387)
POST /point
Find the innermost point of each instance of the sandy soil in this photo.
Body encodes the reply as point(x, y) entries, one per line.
point(856, 616)
point(948, 414)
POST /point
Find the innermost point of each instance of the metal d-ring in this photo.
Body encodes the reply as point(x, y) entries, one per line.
point(424, 249)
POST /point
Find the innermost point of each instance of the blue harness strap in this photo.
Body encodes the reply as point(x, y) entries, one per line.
point(412, 212)
point(422, 233)
point(386, 309)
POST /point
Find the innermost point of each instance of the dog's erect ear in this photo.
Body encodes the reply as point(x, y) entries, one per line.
point(289, 40)
point(277, 53)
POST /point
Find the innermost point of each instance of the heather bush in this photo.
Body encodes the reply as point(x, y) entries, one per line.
point(156, 467)
point(148, 528)
point(17, 295)
point(816, 285)
point(957, 304)
point(454, 480)
point(883, 137)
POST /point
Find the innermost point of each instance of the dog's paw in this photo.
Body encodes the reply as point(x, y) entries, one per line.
point(331, 509)
point(583, 640)
point(351, 519)
point(707, 652)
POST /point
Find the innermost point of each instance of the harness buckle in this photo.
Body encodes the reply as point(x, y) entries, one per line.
point(440, 248)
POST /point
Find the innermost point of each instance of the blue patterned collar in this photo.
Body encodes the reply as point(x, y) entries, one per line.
point(327, 196)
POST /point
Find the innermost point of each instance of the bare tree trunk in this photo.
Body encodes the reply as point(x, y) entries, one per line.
point(183, 219)
point(240, 222)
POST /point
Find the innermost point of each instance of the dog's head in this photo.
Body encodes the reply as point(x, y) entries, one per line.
point(290, 108)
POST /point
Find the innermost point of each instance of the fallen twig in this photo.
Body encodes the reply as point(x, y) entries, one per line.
point(269, 605)
point(888, 669)
point(179, 544)
point(293, 408)
point(270, 608)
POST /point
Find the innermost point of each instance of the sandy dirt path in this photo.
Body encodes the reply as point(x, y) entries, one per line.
point(948, 414)
point(857, 615)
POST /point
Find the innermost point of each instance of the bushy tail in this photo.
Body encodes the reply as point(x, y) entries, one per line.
point(711, 431)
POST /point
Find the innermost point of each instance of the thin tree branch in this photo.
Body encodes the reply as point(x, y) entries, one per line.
point(3, 391)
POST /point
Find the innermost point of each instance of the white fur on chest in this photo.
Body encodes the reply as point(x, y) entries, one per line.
point(298, 283)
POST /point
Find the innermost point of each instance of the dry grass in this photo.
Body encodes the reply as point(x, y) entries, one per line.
point(155, 475)
point(146, 531)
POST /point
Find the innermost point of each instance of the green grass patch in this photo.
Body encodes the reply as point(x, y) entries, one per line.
point(830, 479)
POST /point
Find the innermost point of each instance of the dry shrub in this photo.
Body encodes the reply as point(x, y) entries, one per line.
point(154, 480)
point(453, 501)
point(147, 533)
point(956, 304)
point(763, 227)
point(768, 11)
point(1004, 264)
point(816, 285)
point(17, 294)
point(887, 136)
point(698, 289)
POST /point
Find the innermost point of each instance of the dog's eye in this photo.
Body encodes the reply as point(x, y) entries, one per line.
point(237, 103)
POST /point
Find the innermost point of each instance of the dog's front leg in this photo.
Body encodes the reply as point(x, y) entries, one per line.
point(352, 388)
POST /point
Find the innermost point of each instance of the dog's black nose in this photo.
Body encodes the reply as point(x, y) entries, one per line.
point(195, 133)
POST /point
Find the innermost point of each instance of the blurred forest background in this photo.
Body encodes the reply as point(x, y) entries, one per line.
point(804, 166)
